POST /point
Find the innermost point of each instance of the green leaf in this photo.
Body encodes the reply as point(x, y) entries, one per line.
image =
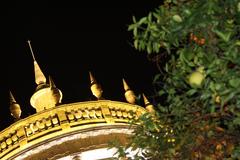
point(212, 109)
point(142, 20)
point(187, 12)
point(186, 56)
point(171, 91)
point(177, 18)
point(238, 7)
point(150, 16)
point(149, 48)
point(236, 153)
point(167, 46)
point(161, 92)
point(191, 92)
point(131, 27)
point(166, 67)
point(134, 19)
point(135, 31)
point(212, 86)
point(219, 86)
point(228, 97)
point(237, 43)
point(156, 78)
point(236, 121)
point(235, 82)
point(205, 95)
point(136, 43)
point(225, 36)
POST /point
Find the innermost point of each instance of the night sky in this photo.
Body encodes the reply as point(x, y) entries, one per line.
point(68, 41)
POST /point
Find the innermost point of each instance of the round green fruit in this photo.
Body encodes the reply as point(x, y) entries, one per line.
point(196, 78)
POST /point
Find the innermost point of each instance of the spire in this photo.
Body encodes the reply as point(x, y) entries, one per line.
point(92, 79)
point(129, 94)
point(148, 105)
point(14, 107)
point(95, 87)
point(125, 85)
point(11, 97)
point(39, 76)
point(51, 83)
point(46, 95)
point(146, 101)
point(56, 93)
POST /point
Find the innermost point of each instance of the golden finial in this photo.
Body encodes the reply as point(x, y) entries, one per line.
point(129, 94)
point(125, 85)
point(148, 105)
point(11, 97)
point(51, 83)
point(56, 93)
point(39, 76)
point(95, 87)
point(92, 79)
point(48, 96)
point(14, 107)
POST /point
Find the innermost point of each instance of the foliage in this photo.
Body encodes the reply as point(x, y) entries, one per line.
point(185, 37)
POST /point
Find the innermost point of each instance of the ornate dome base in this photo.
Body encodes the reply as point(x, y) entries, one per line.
point(85, 143)
point(68, 129)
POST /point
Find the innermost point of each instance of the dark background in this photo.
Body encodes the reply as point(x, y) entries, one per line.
point(68, 41)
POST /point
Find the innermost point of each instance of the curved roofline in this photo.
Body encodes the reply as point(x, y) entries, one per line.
point(65, 118)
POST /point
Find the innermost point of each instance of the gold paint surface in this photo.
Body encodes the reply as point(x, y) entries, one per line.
point(64, 119)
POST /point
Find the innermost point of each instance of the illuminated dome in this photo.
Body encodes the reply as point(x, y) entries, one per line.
point(73, 131)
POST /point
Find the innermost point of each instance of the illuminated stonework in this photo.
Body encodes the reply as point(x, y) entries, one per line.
point(74, 138)
point(68, 131)
point(102, 119)
point(102, 154)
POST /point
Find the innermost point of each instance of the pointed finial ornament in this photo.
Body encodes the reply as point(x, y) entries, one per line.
point(125, 85)
point(148, 105)
point(51, 83)
point(39, 76)
point(129, 94)
point(92, 79)
point(46, 95)
point(95, 87)
point(14, 107)
point(11, 97)
point(56, 93)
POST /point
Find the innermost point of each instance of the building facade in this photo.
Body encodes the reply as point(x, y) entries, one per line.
point(73, 131)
